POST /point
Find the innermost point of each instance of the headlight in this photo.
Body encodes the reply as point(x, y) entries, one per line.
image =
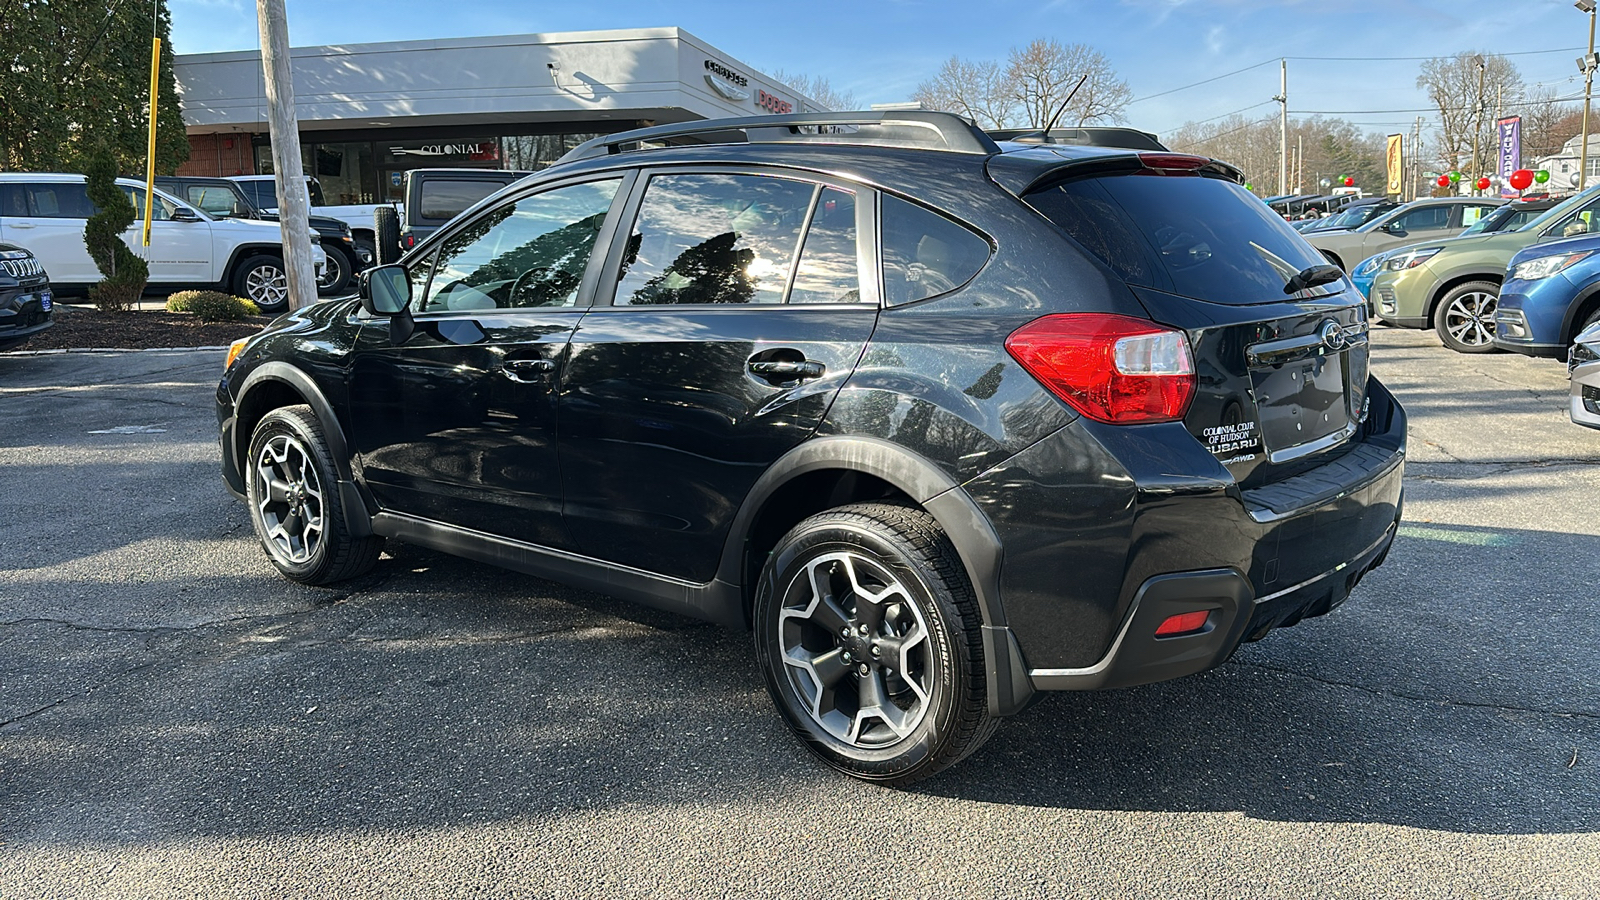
point(1545, 266)
point(1370, 264)
point(1410, 259)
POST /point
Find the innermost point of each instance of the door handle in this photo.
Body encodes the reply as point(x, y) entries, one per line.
point(785, 370)
point(526, 370)
point(20, 225)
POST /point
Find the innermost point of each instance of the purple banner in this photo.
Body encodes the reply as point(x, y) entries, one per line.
point(1510, 132)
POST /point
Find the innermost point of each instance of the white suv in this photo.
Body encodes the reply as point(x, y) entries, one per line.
point(188, 248)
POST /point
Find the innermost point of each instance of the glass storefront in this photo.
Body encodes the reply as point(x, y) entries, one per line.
point(353, 172)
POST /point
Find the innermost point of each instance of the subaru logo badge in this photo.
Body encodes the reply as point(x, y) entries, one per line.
point(1332, 335)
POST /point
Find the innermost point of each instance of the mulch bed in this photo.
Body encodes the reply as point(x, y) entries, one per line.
point(78, 326)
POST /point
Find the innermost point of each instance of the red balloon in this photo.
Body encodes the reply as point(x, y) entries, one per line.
point(1444, 181)
point(1483, 184)
point(1349, 182)
point(1521, 179)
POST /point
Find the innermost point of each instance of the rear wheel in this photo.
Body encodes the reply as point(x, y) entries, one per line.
point(868, 634)
point(293, 491)
point(1464, 318)
point(336, 273)
point(262, 280)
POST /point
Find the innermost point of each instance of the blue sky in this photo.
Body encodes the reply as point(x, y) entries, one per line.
point(881, 49)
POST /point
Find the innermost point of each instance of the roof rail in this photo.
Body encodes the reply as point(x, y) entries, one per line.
point(1092, 136)
point(880, 128)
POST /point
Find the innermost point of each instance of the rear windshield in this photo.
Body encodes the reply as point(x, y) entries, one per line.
point(1200, 237)
point(445, 199)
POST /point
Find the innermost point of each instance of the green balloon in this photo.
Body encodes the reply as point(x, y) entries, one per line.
point(1248, 186)
point(1455, 177)
point(1542, 176)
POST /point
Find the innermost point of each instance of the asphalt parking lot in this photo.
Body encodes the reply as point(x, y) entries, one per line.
point(176, 720)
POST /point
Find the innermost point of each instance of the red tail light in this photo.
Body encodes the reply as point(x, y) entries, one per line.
point(1115, 369)
point(409, 240)
point(1183, 623)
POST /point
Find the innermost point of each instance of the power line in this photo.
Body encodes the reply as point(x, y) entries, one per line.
point(1333, 59)
point(1234, 113)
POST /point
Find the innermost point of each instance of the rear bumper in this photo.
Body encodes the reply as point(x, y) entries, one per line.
point(1090, 573)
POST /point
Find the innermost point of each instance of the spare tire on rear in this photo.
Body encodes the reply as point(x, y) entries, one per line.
point(386, 229)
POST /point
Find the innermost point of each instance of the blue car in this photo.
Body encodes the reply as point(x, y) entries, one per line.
point(1362, 275)
point(1551, 293)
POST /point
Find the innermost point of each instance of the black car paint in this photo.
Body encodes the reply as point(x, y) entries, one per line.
point(1062, 522)
point(23, 312)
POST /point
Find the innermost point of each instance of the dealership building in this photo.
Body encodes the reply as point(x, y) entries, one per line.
point(369, 112)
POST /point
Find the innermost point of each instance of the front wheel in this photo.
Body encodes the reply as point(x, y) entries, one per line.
point(868, 634)
point(263, 281)
point(295, 506)
point(1464, 318)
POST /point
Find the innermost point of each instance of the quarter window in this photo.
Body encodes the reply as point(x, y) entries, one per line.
point(714, 239)
point(925, 254)
point(531, 253)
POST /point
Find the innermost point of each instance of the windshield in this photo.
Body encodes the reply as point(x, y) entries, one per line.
point(1560, 210)
point(1206, 238)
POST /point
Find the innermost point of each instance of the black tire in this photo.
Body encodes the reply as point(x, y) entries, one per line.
point(299, 516)
point(337, 273)
point(928, 625)
point(386, 234)
point(1464, 318)
point(262, 280)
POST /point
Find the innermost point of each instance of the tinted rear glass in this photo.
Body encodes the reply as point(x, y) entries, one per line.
point(925, 254)
point(1200, 237)
point(442, 200)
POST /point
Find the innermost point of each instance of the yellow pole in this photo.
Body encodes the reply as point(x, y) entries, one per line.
point(150, 150)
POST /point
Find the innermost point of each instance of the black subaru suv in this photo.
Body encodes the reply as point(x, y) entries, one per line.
point(25, 297)
point(944, 422)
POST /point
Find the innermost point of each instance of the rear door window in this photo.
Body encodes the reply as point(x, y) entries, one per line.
point(714, 239)
point(926, 254)
point(444, 199)
point(1200, 237)
point(1423, 219)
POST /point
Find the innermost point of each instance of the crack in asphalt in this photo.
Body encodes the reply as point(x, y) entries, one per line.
point(1439, 701)
point(83, 693)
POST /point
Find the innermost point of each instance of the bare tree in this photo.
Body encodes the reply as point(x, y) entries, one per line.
point(1043, 74)
point(818, 89)
point(1546, 122)
point(977, 90)
point(1333, 148)
point(1465, 98)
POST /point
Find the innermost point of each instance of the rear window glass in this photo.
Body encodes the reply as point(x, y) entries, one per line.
point(443, 199)
point(925, 254)
point(1200, 237)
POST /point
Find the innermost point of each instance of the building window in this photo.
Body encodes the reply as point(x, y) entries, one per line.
point(1592, 170)
point(532, 152)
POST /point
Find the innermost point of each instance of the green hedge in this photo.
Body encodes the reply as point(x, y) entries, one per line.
point(212, 306)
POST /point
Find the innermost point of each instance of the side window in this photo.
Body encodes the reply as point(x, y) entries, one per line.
point(1425, 218)
point(529, 253)
point(714, 239)
point(1580, 222)
point(1471, 214)
point(418, 273)
point(68, 200)
point(13, 200)
point(215, 200)
point(925, 254)
point(829, 270)
point(160, 210)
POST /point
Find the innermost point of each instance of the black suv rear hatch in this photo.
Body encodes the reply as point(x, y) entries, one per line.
point(1282, 375)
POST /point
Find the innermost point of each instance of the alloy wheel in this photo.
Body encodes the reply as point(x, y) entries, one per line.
point(856, 650)
point(332, 271)
point(289, 499)
point(267, 286)
point(1470, 318)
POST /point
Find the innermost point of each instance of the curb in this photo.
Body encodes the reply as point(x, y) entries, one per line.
point(108, 350)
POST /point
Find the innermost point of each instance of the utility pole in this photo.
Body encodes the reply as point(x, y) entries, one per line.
point(1587, 64)
point(1283, 126)
point(1478, 130)
point(1300, 164)
point(294, 203)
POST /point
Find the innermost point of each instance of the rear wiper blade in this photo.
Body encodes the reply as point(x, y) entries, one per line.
point(1312, 276)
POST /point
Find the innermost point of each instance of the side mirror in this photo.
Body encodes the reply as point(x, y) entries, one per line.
point(184, 214)
point(1395, 228)
point(385, 291)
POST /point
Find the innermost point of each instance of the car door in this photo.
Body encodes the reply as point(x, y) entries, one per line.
point(48, 218)
point(738, 302)
point(180, 251)
point(455, 422)
point(1420, 224)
